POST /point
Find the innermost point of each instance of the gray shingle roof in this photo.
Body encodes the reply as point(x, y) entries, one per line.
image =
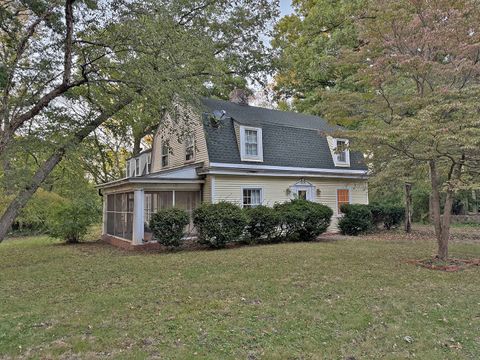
point(289, 139)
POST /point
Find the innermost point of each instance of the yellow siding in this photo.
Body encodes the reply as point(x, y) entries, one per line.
point(207, 190)
point(173, 133)
point(229, 188)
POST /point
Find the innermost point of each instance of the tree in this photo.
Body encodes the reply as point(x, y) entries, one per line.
point(310, 44)
point(423, 64)
point(415, 74)
point(71, 67)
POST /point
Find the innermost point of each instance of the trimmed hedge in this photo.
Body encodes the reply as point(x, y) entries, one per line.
point(360, 218)
point(357, 219)
point(262, 225)
point(302, 220)
point(168, 226)
point(218, 224)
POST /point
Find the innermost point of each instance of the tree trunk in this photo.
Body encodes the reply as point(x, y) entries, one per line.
point(440, 233)
point(41, 174)
point(408, 207)
point(137, 143)
point(22, 198)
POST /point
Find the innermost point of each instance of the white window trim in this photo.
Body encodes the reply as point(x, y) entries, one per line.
point(310, 189)
point(137, 169)
point(193, 145)
point(148, 163)
point(349, 188)
point(335, 154)
point(251, 188)
point(168, 156)
point(243, 154)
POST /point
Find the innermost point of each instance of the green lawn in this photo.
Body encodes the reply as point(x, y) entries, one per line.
point(347, 298)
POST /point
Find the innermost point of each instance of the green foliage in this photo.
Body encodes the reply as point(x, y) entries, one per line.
point(262, 226)
point(219, 224)
point(302, 220)
point(389, 215)
point(311, 42)
point(130, 62)
point(168, 226)
point(35, 215)
point(357, 219)
point(71, 221)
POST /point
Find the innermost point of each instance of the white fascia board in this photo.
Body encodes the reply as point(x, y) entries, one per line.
point(295, 175)
point(288, 168)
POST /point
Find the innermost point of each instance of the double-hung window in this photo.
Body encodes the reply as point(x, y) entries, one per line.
point(342, 154)
point(137, 167)
point(251, 147)
point(251, 197)
point(190, 148)
point(251, 142)
point(164, 155)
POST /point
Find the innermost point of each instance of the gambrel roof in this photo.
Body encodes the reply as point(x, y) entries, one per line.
point(289, 139)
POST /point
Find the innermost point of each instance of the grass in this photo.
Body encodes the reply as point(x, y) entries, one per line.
point(348, 298)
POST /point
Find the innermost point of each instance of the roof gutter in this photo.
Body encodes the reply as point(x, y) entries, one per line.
point(278, 170)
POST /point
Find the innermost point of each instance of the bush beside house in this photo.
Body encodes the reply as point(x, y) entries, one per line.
point(262, 224)
point(296, 220)
point(168, 226)
point(302, 220)
point(219, 224)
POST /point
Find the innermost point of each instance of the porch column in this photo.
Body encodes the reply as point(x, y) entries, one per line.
point(104, 215)
point(138, 214)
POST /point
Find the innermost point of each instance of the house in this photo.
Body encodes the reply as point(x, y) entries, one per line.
point(231, 151)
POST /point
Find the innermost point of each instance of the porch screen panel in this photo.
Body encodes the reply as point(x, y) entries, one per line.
point(189, 201)
point(157, 200)
point(120, 215)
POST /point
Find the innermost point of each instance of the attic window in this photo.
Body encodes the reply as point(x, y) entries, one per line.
point(137, 167)
point(164, 155)
point(342, 154)
point(190, 148)
point(251, 146)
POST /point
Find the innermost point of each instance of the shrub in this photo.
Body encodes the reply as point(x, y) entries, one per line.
point(168, 226)
point(34, 217)
point(71, 221)
point(393, 216)
point(357, 219)
point(388, 215)
point(219, 224)
point(262, 224)
point(302, 220)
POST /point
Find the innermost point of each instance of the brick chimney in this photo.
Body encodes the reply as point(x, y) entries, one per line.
point(239, 96)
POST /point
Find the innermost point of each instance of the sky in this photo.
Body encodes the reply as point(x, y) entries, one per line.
point(285, 7)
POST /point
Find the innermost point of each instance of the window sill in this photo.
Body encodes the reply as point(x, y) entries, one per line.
point(252, 159)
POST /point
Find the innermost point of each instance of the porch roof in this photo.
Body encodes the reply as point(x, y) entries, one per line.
point(178, 176)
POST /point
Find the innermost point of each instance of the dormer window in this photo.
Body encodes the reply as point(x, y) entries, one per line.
point(137, 167)
point(190, 148)
point(251, 143)
point(342, 154)
point(164, 155)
